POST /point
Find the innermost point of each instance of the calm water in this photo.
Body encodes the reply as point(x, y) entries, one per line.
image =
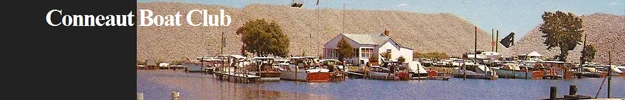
point(157, 85)
point(455, 88)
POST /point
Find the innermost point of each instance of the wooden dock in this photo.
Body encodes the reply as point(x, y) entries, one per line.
point(431, 78)
point(237, 77)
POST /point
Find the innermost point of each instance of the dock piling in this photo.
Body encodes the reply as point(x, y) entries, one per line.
point(609, 71)
point(464, 71)
point(513, 74)
point(553, 93)
point(139, 96)
point(572, 89)
point(526, 71)
point(175, 95)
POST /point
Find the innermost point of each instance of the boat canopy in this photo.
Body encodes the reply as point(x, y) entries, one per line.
point(590, 69)
point(262, 58)
point(534, 54)
point(415, 66)
point(473, 56)
point(209, 59)
point(238, 56)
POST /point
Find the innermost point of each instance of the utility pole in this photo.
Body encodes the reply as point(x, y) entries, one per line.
point(581, 62)
point(318, 32)
point(492, 36)
point(474, 55)
point(496, 41)
point(475, 46)
point(223, 43)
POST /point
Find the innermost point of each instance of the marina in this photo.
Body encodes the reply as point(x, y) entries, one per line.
point(483, 74)
point(278, 55)
point(157, 85)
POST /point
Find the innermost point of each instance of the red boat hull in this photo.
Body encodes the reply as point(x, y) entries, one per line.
point(318, 77)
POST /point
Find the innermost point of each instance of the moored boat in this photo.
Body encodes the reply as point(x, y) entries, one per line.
point(476, 72)
point(306, 70)
point(511, 70)
point(377, 72)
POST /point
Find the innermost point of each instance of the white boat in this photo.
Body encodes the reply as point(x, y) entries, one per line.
point(457, 62)
point(618, 69)
point(476, 71)
point(309, 75)
point(333, 62)
point(511, 70)
point(491, 55)
point(304, 72)
point(591, 72)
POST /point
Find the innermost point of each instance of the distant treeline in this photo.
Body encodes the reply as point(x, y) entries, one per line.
point(431, 55)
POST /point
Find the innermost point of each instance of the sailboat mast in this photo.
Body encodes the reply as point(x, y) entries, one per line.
point(343, 22)
point(319, 24)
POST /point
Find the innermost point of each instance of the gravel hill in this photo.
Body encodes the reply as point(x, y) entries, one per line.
point(442, 32)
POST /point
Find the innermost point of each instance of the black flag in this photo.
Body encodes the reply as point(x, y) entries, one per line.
point(508, 41)
point(317, 2)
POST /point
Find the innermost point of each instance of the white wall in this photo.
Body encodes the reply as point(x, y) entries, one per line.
point(407, 53)
point(389, 45)
point(396, 51)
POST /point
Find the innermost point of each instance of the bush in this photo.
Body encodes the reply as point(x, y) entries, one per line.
point(431, 55)
point(158, 62)
point(176, 62)
point(386, 55)
point(373, 58)
point(140, 62)
point(401, 59)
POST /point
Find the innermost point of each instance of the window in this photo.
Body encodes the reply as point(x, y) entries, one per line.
point(366, 52)
point(388, 50)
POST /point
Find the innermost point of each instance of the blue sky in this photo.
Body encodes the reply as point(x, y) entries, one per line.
point(518, 16)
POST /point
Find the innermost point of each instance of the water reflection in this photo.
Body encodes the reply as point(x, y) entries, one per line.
point(156, 85)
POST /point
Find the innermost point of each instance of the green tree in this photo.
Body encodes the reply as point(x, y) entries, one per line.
point(431, 55)
point(441, 55)
point(345, 49)
point(401, 59)
point(589, 53)
point(373, 58)
point(563, 30)
point(264, 38)
point(417, 54)
point(386, 55)
point(243, 53)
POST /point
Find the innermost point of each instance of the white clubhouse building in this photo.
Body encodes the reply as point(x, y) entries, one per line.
point(365, 46)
